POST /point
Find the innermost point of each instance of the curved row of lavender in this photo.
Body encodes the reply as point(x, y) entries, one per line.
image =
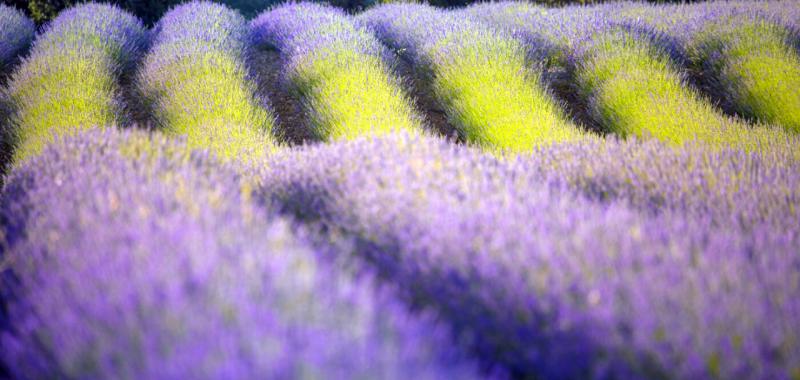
point(69, 82)
point(341, 73)
point(745, 54)
point(126, 256)
point(194, 81)
point(626, 75)
point(665, 264)
point(479, 76)
point(16, 34)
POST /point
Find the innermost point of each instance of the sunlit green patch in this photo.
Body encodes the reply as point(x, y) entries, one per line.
point(494, 98)
point(757, 66)
point(60, 93)
point(207, 97)
point(634, 90)
point(351, 94)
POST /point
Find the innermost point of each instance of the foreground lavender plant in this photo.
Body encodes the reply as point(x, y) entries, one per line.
point(128, 257)
point(478, 75)
point(195, 82)
point(70, 80)
point(340, 71)
point(16, 34)
point(554, 285)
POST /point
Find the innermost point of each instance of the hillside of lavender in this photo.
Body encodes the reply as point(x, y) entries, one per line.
point(498, 191)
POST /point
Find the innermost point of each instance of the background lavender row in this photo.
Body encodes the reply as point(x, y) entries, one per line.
point(16, 34)
point(478, 75)
point(550, 284)
point(129, 257)
point(340, 71)
point(194, 81)
point(743, 53)
point(70, 80)
point(624, 75)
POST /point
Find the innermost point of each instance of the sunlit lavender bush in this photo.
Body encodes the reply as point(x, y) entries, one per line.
point(126, 256)
point(550, 283)
point(479, 75)
point(195, 83)
point(627, 76)
point(746, 56)
point(340, 71)
point(70, 80)
point(16, 34)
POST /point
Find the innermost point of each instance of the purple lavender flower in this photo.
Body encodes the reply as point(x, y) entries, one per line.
point(130, 257)
point(550, 283)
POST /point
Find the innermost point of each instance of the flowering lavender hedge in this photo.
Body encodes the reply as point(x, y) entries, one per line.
point(478, 75)
point(195, 83)
point(627, 76)
point(552, 284)
point(69, 81)
point(128, 257)
point(744, 54)
point(340, 71)
point(16, 34)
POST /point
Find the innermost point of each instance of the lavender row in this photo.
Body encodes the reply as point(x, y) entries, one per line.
point(550, 283)
point(626, 75)
point(341, 73)
point(194, 81)
point(130, 257)
point(744, 54)
point(69, 82)
point(16, 34)
point(479, 76)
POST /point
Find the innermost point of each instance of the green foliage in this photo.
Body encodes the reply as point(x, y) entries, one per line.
point(634, 90)
point(757, 66)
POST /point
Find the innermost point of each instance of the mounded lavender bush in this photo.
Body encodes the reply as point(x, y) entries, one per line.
point(70, 80)
point(480, 77)
point(195, 83)
point(16, 34)
point(340, 71)
point(553, 284)
point(126, 256)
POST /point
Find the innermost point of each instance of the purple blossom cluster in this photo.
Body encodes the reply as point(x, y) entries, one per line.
point(549, 282)
point(16, 34)
point(194, 81)
point(128, 256)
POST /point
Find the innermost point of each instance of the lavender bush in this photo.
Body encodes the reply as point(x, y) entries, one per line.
point(340, 71)
point(16, 34)
point(478, 75)
point(126, 256)
point(553, 284)
point(70, 80)
point(195, 83)
point(627, 75)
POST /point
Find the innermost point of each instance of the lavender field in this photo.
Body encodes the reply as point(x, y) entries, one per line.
point(498, 191)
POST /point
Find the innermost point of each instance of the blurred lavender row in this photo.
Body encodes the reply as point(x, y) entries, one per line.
point(126, 256)
point(658, 266)
point(479, 76)
point(340, 71)
point(194, 82)
point(69, 82)
point(16, 34)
